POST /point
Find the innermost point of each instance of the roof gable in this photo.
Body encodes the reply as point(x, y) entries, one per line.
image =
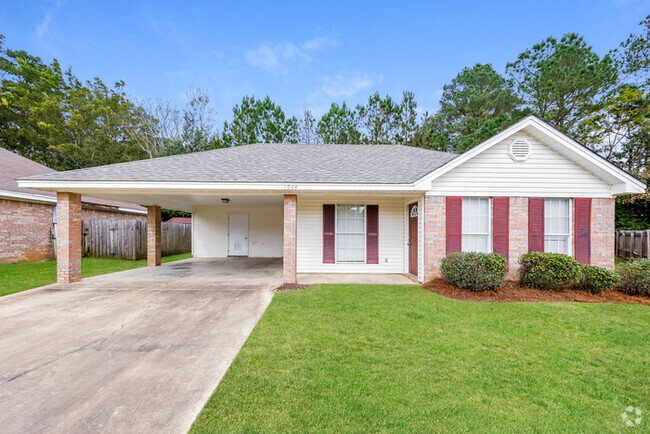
point(620, 182)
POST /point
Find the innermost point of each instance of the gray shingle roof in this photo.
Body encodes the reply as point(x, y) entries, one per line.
point(365, 164)
point(14, 166)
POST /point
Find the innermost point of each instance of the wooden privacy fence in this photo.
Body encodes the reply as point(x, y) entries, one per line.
point(127, 239)
point(633, 244)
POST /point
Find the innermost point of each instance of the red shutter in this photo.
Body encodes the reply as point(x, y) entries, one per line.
point(500, 225)
point(329, 228)
point(372, 234)
point(536, 224)
point(583, 230)
point(454, 224)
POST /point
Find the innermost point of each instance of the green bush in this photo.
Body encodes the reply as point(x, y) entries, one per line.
point(596, 279)
point(635, 277)
point(475, 271)
point(548, 270)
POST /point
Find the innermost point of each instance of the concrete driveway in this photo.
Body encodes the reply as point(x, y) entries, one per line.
point(135, 351)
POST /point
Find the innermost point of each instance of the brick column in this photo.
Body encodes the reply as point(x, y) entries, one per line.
point(154, 235)
point(289, 245)
point(602, 233)
point(518, 238)
point(68, 237)
point(435, 235)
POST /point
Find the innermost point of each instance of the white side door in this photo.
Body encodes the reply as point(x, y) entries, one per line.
point(237, 234)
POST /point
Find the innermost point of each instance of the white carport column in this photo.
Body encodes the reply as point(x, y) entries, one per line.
point(289, 245)
point(68, 237)
point(154, 236)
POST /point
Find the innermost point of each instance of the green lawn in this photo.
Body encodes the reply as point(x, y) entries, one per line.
point(340, 358)
point(25, 275)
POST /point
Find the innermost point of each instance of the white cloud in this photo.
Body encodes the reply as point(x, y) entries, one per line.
point(277, 57)
point(43, 26)
point(337, 88)
point(342, 86)
point(274, 57)
point(320, 43)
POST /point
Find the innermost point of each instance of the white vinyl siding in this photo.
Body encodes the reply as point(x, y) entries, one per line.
point(557, 226)
point(350, 233)
point(545, 173)
point(310, 235)
point(210, 231)
point(476, 225)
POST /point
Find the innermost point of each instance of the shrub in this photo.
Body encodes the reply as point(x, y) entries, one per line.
point(635, 277)
point(548, 270)
point(596, 279)
point(475, 271)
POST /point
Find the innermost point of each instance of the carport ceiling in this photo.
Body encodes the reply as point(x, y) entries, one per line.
point(184, 201)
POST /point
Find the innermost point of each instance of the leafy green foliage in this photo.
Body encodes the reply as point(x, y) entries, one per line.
point(258, 121)
point(635, 277)
point(475, 271)
point(548, 270)
point(52, 117)
point(339, 125)
point(596, 279)
point(477, 103)
point(561, 80)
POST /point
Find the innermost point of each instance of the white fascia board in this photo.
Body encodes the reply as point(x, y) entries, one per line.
point(29, 197)
point(26, 197)
point(207, 186)
point(632, 185)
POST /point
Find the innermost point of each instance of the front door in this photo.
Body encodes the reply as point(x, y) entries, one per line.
point(413, 239)
point(237, 234)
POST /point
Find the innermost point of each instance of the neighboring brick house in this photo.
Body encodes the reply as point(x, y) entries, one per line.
point(28, 216)
point(373, 208)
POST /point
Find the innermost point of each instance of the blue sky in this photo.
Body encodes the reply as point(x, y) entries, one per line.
point(303, 54)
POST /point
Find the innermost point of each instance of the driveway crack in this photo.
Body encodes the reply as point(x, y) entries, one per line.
point(99, 347)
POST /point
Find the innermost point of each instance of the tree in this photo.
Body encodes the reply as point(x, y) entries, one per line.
point(339, 125)
point(256, 121)
point(380, 118)
point(562, 81)
point(477, 102)
point(633, 54)
point(433, 133)
point(408, 118)
point(54, 118)
point(308, 128)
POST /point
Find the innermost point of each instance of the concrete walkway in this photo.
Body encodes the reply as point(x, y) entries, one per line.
point(136, 351)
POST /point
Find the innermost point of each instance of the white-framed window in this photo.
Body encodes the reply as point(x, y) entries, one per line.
point(476, 225)
point(351, 233)
point(557, 226)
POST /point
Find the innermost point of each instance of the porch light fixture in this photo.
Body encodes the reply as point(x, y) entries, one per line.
point(225, 200)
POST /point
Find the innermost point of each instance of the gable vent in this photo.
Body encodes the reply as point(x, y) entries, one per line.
point(519, 150)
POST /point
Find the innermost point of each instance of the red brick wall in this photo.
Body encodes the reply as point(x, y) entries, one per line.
point(518, 236)
point(25, 231)
point(602, 233)
point(435, 237)
point(154, 236)
point(289, 239)
point(68, 237)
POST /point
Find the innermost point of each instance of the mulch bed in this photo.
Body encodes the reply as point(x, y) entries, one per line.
point(291, 287)
point(511, 291)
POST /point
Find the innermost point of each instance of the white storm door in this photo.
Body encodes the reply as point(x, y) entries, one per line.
point(237, 234)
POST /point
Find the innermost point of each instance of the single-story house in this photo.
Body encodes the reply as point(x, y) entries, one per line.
point(28, 217)
point(367, 208)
